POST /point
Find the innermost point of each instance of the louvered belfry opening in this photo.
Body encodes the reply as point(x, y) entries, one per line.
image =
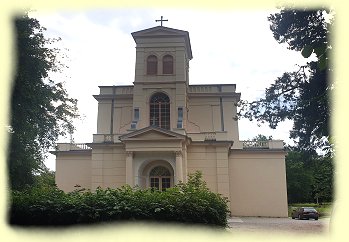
point(152, 65)
point(160, 110)
point(167, 64)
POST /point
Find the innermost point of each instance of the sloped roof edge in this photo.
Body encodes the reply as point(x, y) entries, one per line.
point(167, 32)
point(151, 128)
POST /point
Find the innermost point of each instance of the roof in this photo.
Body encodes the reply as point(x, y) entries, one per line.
point(164, 32)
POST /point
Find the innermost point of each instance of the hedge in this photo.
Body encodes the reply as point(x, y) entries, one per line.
point(191, 202)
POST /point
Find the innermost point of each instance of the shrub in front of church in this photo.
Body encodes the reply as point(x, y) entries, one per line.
point(191, 202)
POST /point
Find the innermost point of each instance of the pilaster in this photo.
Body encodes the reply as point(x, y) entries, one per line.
point(179, 167)
point(129, 168)
point(223, 171)
point(97, 169)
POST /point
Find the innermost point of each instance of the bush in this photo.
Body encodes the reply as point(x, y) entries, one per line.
point(191, 202)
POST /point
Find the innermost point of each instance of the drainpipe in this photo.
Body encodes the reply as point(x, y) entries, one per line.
point(221, 108)
point(112, 112)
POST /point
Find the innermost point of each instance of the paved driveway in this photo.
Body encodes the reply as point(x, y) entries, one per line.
point(257, 224)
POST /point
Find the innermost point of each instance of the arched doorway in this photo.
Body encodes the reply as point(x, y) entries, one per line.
point(158, 174)
point(160, 178)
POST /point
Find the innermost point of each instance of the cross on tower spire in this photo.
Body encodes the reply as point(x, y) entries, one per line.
point(161, 20)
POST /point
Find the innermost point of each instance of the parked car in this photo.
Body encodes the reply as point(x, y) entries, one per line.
point(305, 213)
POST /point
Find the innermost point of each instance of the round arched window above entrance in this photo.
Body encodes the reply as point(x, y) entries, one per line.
point(160, 178)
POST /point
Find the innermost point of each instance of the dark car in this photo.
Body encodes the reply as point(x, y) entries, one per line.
point(305, 213)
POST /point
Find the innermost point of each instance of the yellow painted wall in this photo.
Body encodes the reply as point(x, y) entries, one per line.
point(203, 158)
point(108, 167)
point(73, 169)
point(258, 184)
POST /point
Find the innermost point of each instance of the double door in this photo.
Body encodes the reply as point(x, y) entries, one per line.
point(160, 182)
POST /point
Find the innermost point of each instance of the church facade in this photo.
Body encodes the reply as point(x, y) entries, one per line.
point(157, 131)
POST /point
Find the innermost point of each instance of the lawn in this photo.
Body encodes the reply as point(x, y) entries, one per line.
point(324, 209)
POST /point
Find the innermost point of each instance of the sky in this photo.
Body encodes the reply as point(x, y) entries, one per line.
point(228, 47)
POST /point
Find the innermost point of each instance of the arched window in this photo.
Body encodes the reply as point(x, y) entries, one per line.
point(152, 65)
point(160, 178)
point(160, 110)
point(167, 64)
point(160, 171)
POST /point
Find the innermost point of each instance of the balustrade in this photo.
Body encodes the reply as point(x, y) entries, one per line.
point(255, 144)
point(210, 135)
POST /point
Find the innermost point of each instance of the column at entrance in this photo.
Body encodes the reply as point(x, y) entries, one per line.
point(179, 167)
point(129, 168)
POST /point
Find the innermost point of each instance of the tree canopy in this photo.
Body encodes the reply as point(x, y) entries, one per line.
point(303, 95)
point(262, 137)
point(41, 110)
point(309, 177)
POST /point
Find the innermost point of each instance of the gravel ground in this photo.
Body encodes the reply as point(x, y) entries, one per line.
point(279, 225)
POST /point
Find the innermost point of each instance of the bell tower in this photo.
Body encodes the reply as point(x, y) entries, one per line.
point(162, 66)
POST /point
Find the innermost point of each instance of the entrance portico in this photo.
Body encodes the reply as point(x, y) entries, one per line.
point(154, 148)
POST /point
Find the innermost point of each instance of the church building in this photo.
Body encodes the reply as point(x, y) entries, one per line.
point(160, 129)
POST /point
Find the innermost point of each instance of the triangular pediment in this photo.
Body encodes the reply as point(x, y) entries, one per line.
point(152, 133)
point(159, 31)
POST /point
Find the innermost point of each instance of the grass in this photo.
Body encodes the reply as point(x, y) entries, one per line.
point(324, 209)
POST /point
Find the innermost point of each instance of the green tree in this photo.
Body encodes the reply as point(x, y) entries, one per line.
point(304, 95)
point(323, 173)
point(45, 178)
point(299, 178)
point(41, 110)
point(309, 177)
point(262, 137)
